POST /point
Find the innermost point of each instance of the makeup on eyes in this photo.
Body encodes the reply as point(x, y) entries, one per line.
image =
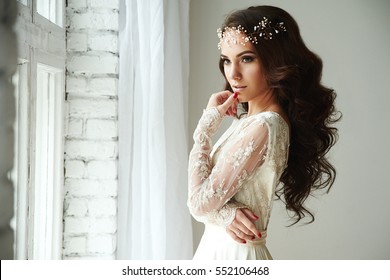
point(243, 56)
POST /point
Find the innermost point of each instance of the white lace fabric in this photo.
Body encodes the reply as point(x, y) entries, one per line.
point(241, 171)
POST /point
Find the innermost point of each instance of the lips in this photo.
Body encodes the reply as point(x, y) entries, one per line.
point(238, 88)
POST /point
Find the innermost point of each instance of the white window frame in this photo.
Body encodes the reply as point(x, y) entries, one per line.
point(47, 157)
point(39, 203)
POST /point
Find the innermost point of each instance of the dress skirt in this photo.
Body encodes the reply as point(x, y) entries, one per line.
point(216, 244)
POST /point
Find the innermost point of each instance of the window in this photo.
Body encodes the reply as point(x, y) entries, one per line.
point(40, 97)
point(47, 177)
point(51, 10)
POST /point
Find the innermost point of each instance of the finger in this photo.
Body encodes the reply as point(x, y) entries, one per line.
point(250, 214)
point(241, 230)
point(233, 108)
point(231, 112)
point(245, 224)
point(222, 96)
point(251, 226)
point(235, 237)
point(242, 235)
point(224, 107)
point(218, 98)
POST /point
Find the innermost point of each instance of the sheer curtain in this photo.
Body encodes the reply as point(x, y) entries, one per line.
point(153, 220)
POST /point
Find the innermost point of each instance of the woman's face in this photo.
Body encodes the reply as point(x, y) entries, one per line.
point(243, 68)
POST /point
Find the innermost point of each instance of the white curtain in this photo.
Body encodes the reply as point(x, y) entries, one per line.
point(153, 220)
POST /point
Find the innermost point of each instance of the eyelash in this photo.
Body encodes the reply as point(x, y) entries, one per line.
point(245, 59)
point(248, 58)
point(225, 61)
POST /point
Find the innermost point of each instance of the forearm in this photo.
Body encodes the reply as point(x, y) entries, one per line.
point(223, 217)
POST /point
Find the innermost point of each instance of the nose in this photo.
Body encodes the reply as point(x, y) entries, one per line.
point(234, 72)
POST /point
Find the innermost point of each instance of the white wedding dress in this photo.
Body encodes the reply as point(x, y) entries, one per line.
point(241, 171)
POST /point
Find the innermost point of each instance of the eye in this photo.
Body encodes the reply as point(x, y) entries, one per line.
point(247, 59)
point(225, 61)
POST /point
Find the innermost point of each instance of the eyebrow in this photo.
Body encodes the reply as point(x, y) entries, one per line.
point(240, 54)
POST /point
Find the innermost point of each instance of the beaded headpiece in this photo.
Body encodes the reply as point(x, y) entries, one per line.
point(265, 29)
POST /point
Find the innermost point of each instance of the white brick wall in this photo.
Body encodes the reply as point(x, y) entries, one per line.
point(91, 147)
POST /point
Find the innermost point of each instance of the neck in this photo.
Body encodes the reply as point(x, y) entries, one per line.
point(261, 104)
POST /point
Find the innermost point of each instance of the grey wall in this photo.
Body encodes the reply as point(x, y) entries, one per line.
point(352, 37)
point(8, 60)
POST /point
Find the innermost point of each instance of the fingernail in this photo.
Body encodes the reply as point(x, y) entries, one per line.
point(253, 237)
point(259, 235)
point(235, 95)
point(243, 241)
point(256, 217)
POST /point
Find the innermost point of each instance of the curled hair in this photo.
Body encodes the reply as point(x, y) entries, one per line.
point(294, 74)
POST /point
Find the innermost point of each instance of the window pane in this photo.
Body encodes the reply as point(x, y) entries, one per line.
point(52, 10)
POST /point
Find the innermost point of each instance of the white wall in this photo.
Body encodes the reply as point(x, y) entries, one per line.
point(352, 37)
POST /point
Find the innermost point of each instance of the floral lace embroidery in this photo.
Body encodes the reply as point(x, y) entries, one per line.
point(211, 188)
point(237, 180)
point(242, 153)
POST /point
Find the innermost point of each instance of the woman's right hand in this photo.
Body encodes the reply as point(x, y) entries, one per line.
point(243, 228)
point(225, 101)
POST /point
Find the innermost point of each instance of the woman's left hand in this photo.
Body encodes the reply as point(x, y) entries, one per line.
point(243, 228)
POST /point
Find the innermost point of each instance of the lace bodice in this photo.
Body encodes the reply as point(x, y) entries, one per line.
point(241, 171)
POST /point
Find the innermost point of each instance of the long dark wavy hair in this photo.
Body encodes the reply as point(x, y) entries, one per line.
point(294, 73)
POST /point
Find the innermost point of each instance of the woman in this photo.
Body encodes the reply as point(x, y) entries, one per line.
point(281, 139)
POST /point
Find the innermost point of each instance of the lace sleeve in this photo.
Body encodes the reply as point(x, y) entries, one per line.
point(211, 188)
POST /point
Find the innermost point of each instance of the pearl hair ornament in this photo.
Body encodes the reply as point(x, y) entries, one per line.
point(265, 29)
